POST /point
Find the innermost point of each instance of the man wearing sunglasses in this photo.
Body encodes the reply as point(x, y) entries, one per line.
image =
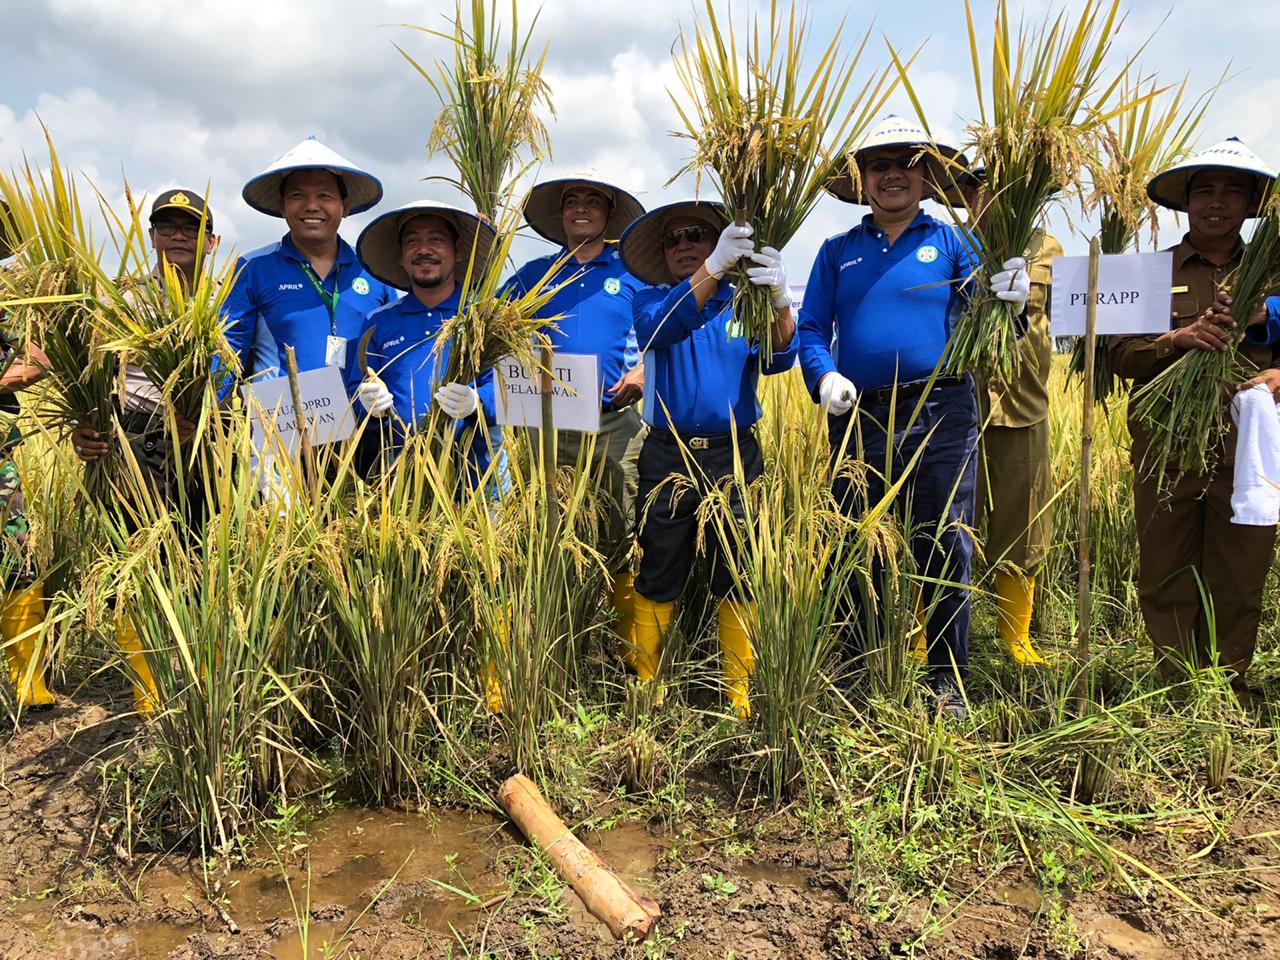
point(700, 402)
point(874, 328)
point(591, 312)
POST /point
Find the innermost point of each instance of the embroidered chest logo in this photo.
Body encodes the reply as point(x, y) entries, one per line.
point(393, 343)
point(612, 285)
point(290, 286)
point(850, 263)
point(360, 285)
point(927, 254)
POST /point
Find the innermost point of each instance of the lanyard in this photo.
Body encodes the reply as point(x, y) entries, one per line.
point(330, 299)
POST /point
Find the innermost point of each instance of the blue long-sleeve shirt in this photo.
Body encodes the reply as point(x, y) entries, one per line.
point(402, 353)
point(275, 304)
point(596, 304)
point(700, 372)
point(881, 313)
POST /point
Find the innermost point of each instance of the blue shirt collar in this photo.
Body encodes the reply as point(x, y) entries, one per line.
point(346, 255)
point(603, 257)
point(450, 305)
point(921, 219)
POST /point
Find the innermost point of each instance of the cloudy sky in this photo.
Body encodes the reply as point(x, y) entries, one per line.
point(200, 92)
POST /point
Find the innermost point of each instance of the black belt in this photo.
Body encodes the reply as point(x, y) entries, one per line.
point(885, 395)
point(709, 441)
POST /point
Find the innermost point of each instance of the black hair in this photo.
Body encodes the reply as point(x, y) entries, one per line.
point(342, 184)
point(453, 231)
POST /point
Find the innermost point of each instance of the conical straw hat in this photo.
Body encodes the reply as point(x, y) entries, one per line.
point(641, 246)
point(378, 246)
point(542, 206)
point(263, 191)
point(1169, 188)
point(894, 131)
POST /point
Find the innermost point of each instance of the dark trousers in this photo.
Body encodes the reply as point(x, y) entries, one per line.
point(937, 500)
point(669, 523)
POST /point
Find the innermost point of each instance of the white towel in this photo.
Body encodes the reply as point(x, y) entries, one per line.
point(1255, 497)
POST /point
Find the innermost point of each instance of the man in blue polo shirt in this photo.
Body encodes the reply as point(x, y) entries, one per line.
point(876, 321)
point(700, 399)
point(307, 290)
point(585, 216)
point(417, 248)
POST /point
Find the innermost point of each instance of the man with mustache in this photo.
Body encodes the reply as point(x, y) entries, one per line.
point(700, 403)
point(307, 290)
point(1200, 576)
point(876, 321)
point(419, 248)
point(585, 216)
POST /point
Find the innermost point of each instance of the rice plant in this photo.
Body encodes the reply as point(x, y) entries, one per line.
point(771, 126)
point(490, 96)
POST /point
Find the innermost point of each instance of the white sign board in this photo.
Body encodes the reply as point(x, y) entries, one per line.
point(324, 401)
point(797, 300)
point(1134, 294)
point(575, 393)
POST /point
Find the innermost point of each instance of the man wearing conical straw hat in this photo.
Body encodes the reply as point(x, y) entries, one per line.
point(700, 404)
point(1015, 482)
point(307, 290)
point(873, 330)
point(585, 215)
point(1187, 545)
point(424, 248)
point(22, 612)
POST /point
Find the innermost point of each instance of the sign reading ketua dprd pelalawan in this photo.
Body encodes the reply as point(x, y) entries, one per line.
point(324, 401)
point(1133, 294)
point(575, 393)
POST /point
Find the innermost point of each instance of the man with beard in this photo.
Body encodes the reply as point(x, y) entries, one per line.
point(419, 248)
point(876, 321)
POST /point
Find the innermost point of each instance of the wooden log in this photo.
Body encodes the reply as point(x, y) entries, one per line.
point(610, 899)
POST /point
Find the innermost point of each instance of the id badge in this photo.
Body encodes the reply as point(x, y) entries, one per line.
point(335, 351)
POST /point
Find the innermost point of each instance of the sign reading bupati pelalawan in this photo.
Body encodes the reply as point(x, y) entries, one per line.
point(575, 393)
point(324, 403)
point(1133, 296)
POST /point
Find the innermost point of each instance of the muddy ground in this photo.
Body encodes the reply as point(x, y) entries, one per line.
point(389, 884)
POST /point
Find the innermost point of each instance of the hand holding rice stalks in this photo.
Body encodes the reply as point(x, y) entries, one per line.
point(771, 134)
point(1184, 408)
point(490, 99)
point(1147, 136)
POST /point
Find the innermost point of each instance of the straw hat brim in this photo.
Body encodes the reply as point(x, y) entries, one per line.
point(1169, 189)
point(378, 246)
point(641, 246)
point(842, 188)
point(542, 209)
point(263, 191)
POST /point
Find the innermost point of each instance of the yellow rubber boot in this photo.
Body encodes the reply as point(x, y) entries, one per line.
point(919, 649)
point(651, 623)
point(624, 604)
point(145, 697)
point(492, 688)
point(738, 662)
point(1015, 594)
point(20, 625)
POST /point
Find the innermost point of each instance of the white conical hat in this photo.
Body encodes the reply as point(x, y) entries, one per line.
point(893, 131)
point(641, 246)
point(263, 191)
point(542, 206)
point(1169, 188)
point(378, 246)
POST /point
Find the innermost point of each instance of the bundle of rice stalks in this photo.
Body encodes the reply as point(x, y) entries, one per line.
point(1035, 135)
point(771, 132)
point(59, 313)
point(1150, 134)
point(490, 95)
point(1185, 409)
point(175, 334)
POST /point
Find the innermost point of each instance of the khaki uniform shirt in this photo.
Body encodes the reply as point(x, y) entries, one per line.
point(1025, 402)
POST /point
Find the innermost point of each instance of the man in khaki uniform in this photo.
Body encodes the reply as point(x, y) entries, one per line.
point(1186, 541)
point(1015, 481)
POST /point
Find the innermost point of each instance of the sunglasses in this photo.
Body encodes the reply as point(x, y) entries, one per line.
point(885, 164)
point(671, 239)
point(168, 228)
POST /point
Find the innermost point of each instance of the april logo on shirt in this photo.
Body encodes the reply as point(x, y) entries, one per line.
point(927, 254)
point(612, 285)
point(360, 286)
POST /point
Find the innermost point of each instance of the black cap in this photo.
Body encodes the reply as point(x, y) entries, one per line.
point(185, 201)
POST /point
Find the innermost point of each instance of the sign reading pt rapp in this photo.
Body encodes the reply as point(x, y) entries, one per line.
point(575, 393)
point(1134, 294)
point(324, 401)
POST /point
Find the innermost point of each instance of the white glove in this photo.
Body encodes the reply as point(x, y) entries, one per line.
point(837, 393)
point(734, 244)
point(1013, 284)
point(458, 400)
point(772, 274)
point(374, 396)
